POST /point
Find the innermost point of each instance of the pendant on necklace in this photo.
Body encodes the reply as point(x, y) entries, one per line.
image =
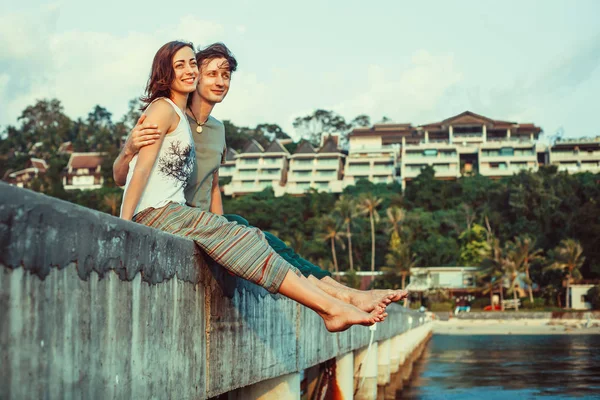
point(199, 129)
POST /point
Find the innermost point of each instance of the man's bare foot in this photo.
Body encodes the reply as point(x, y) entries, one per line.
point(367, 300)
point(343, 316)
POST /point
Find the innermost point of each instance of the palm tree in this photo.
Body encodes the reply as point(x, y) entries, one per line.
point(511, 270)
point(395, 218)
point(493, 269)
point(399, 260)
point(525, 254)
point(368, 204)
point(346, 208)
point(331, 233)
point(112, 201)
point(568, 256)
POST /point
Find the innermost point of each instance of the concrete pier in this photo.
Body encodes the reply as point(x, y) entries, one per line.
point(365, 366)
point(92, 306)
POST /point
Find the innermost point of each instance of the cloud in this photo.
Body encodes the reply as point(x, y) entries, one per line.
point(80, 68)
point(409, 94)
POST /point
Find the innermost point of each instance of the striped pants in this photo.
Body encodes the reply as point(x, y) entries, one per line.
point(241, 250)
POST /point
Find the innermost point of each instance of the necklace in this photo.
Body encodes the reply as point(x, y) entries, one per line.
point(200, 125)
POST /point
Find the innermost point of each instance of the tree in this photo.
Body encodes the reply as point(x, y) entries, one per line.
point(399, 260)
point(511, 270)
point(368, 204)
point(270, 132)
point(493, 269)
point(112, 201)
point(525, 254)
point(346, 208)
point(474, 245)
point(361, 120)
point(314, 125)
point(568, 257)
point(395, 217)
point(43, 122)
point(332, 234)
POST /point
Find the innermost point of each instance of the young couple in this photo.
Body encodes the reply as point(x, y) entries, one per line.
point(169, 166)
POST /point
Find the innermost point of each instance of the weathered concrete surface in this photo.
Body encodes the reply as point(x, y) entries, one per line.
point(92, 306)
point(100, 338)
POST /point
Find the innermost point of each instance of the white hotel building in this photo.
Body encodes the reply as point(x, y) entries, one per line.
point(576, 155)
point(467, 143)
point(320, 169)
point(257, 168)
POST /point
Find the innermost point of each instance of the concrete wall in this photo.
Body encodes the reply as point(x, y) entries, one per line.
point(92, 306)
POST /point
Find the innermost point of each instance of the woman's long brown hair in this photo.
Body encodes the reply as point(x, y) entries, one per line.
point(162, 74)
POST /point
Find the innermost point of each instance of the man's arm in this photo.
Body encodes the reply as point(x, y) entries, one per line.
point(141, 135)
point(216, 203)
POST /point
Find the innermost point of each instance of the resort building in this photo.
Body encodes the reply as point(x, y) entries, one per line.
point(257, 168)
point(320, 169)
point(33, 168)
point(374, 153)
point(228, 164)
point(84, 171)
point(65, 148)
point(576, 155)
point(462, 144)
point(427, 278)
point(578, 297)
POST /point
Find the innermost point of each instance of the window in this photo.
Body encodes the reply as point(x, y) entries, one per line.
point(498, 165)
point(507, 151)
point(430, 153)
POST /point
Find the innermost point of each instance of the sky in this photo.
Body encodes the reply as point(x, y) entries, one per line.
point(414, 62)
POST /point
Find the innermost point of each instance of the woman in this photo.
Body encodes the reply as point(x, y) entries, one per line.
point(154, 196)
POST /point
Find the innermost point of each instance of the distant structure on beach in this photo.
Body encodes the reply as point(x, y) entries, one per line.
point(34, 168)
point(464, 144)
point(84, 171)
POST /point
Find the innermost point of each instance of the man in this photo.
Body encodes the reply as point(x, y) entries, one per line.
point(216, 64)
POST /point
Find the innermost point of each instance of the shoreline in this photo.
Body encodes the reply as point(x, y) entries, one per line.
point(456, 326)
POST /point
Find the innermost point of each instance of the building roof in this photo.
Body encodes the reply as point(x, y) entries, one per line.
point(66, 147)
point(85, 160)
point(230, 154)
point(38, 163)
point(276, 147)
point(469, 118)
point(384, 130)
point(305, 148)
point(253, 147)
point(330, 144)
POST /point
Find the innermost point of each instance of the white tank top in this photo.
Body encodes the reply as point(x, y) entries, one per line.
point(172, 168)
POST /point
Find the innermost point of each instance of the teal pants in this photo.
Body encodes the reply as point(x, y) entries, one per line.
point(289, 255)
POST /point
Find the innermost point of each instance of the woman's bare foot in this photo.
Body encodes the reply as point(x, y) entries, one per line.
point(343, 316)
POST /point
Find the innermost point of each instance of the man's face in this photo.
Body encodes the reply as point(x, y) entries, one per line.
point(214, 81)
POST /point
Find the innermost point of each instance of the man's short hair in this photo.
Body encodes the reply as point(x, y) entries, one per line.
point(216, 50)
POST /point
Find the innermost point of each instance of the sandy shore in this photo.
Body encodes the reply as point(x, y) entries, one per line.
point(516, 327)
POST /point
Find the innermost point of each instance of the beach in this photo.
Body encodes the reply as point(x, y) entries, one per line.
point(456, 326)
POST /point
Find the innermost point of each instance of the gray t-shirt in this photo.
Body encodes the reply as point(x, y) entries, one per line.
point(210, 150)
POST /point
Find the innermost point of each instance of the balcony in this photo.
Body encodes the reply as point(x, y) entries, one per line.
point(325, 163)
point(508, 171)
point(272, 162)
point(303, 165)
point(467, 137)
point(251, 163)
point(270, 174)
point(574, 156)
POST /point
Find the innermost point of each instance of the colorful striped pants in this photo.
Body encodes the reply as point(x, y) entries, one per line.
point(239, 249)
